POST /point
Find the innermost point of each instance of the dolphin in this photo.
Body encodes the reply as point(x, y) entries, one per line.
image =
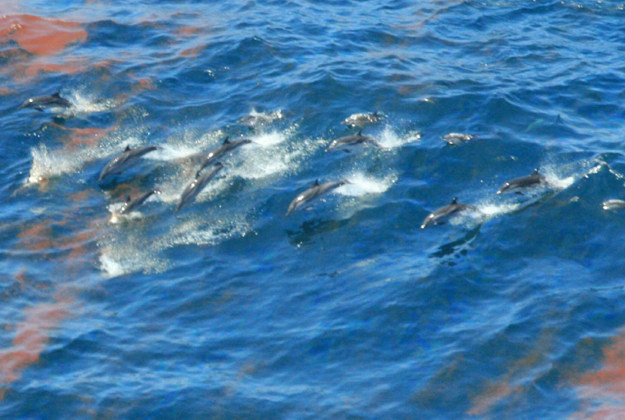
point(256, 119)
point(313, 192)
point(613, 204)
point(352, 140)
point(517, 185)
point(361, 119)
point(42, 102)
point(131, 204)
point(123, 161)
point(455, 139)
point(194, 188)
point(214, 154)
point(443, 214)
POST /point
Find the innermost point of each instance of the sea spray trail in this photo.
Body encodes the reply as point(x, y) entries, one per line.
point(346, 308)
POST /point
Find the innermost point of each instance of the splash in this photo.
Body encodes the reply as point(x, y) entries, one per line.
point(87, 103)
point(361, 184)
point(198, 232)
point(129, 252)
point(390, 139)
point(49, 164)
point(272, 154)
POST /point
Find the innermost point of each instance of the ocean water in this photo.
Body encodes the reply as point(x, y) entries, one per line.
point(346, 308)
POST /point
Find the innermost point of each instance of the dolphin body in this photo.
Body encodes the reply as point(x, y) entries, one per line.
point(42, 102)
point(518, 185)
point(131, 204)
point(455, 139)
point(198, 184)
point(352, 140)
point(442, 215)
point(214, 154)
point(315, 191)
point(361, 119)
point(613, 204)
point(257, 119)
point(123, 161)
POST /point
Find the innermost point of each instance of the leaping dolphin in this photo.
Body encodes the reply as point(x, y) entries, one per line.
point(123, 161)
point(225, 147)
point(131, 204)
point(361, 119)
point(198, 184)
point(42, 102)
point(352, 140)
point(442, 215)
point(518, 185)
point(315, 191)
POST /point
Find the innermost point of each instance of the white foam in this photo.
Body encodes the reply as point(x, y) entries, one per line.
point(556, 181)
point(196, 231)
point(390, 139)
point(361, 184)
point(47, 164)
point(186, 145)
point(127, 251)
point(271, 154)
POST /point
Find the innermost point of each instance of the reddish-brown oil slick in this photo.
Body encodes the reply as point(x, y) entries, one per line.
point(603, 392)
point(31, 336)
point(81, 137)
point(512, 383)
point(40, 36)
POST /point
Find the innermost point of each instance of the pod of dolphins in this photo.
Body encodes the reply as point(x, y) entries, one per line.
point(438, 217)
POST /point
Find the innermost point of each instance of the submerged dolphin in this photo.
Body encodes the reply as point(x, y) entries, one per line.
point(454, 139)
point(361, 119)
point(613, 204)
point(517, 185)
point(194, 188)
point(123, 161)
point(443, 214)
point(41, 102)
point(131, 204)
point(352, 140)
point(214, 154)
point(315, 191)
point(256, 119)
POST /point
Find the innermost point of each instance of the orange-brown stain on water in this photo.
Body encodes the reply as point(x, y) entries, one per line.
point(40, 36)
point(31, 336)
point(603, 392)
point(37, 237)
point(513, 382)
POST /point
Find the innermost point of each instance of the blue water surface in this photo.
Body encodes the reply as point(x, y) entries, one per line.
point(346, 308)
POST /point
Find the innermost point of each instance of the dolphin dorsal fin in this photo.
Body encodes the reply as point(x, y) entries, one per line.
point(359, 133)
point(454, 200)
point(127, 199)
point(316, 182)
point(127, 148)
point(56, 94)
point(227, 140)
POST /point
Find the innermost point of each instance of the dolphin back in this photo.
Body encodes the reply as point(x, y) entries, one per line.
point(197, 185)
